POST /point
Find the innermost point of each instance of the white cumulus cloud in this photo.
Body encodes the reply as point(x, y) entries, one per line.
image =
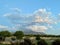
point(38, 28)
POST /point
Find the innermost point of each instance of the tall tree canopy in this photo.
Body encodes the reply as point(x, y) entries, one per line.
point(5, 33)
point(19, 34)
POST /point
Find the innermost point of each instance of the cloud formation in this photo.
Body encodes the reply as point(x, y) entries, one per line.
point(2, 27)
point(37, 28)
point(40, 20)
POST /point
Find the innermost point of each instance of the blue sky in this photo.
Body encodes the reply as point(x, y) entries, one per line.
point(18, 14)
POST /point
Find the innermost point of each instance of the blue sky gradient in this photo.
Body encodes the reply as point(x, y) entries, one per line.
point(27, 8)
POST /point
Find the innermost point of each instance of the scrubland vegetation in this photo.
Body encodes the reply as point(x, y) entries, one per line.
point(19, 38)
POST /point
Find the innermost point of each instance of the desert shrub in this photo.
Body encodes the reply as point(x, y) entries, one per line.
point(23, 43)
point(38, 37)
point(28, 41)
point(56, 42)
point(42, 42)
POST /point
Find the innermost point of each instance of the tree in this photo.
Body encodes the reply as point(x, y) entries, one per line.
point(5, 33)
point(19, 34)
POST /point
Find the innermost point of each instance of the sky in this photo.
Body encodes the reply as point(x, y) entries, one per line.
point(26, 15)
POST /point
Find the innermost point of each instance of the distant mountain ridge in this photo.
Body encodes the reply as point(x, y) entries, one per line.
point(33, 32)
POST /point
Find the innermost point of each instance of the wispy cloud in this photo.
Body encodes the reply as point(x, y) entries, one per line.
point(16, 10)
point(2, 27)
